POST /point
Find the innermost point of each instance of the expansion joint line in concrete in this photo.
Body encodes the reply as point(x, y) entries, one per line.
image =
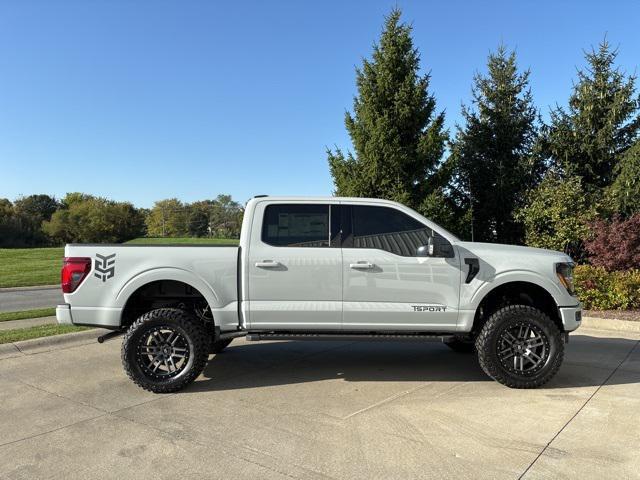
point(579, 410)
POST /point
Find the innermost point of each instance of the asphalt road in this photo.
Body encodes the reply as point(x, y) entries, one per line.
point(323, 410)
point(15, 300)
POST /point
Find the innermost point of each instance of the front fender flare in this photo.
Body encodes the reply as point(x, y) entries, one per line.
point(471, 299)
point(503, 278)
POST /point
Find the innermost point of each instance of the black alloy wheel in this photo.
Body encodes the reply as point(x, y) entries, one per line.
point(523, 348)
point(520, 346)
point(165, 350)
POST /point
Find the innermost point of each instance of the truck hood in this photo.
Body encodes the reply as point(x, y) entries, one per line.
point(492, 249)
point(515, 263)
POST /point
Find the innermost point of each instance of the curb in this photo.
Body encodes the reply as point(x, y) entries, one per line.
point(53, 342)
point(36, 287)
point(610, 324)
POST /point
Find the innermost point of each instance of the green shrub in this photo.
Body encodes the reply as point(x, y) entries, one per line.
point(602, 290)
point(557, 215)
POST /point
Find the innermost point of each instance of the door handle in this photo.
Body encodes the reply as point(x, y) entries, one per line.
point(361, 266)
point(267, 264)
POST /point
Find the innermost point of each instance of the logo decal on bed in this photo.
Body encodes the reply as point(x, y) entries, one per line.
point(105, 266)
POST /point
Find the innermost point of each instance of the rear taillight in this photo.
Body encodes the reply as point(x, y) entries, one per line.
point(74, 271)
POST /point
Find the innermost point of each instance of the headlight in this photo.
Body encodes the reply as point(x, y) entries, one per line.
point(565, 275)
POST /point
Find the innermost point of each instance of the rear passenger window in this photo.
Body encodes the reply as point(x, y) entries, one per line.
point(388, 229)
point(296, 225)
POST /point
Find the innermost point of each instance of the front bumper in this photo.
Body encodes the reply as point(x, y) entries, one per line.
point(63, 314)
point(571, 317)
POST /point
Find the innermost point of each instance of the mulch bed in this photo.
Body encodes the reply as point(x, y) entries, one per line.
point(630, 315)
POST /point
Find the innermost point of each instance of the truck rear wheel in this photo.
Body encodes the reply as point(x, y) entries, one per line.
point(520, 347)
point(165, 350)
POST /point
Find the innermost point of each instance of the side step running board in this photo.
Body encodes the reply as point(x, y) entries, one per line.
point(230, 335)
point(400, 337)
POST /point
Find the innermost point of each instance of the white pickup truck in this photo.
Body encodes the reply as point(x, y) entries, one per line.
point(325, 269)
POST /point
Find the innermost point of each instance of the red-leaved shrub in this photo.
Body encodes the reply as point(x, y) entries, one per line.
point(615, 245)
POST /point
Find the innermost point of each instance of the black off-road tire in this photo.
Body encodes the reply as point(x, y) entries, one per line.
point(195, 339)
point(461, 346)
point(220, 345)
point(493, 334)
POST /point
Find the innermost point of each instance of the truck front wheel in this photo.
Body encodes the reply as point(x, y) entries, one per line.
point(520, 347)
point(165, 350)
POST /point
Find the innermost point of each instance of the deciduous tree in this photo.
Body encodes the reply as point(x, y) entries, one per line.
point(95, 220)
point(168, 218)
point(557, 215)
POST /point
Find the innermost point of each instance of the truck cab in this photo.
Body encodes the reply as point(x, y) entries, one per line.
point(326, 268)
point(347, 265)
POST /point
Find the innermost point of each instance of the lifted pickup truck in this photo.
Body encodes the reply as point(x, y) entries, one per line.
point(325, 269)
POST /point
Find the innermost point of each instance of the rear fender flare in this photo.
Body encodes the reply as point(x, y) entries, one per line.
point(159, 274)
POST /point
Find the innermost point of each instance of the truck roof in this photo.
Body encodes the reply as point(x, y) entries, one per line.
point(319, 198)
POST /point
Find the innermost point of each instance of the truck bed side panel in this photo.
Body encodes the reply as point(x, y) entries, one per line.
point(117, 271)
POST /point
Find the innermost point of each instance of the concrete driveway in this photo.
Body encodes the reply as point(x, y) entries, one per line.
point(323, 410)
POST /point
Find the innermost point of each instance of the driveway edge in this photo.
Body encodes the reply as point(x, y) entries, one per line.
point(53, 342)
point(610, 324)
point(35, 287)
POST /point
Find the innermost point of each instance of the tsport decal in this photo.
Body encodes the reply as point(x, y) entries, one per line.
point(105, 266)
point(429, 308)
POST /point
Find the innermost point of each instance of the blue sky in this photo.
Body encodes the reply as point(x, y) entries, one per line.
point(146, 100)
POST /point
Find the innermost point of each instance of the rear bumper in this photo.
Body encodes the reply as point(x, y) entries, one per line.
point(104, 317)
point(571, 317)
point(63, 314)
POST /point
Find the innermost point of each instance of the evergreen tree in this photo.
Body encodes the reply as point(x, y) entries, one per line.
point(601, 123)
point(396, 133)
point(626, 187)
point(494, 155)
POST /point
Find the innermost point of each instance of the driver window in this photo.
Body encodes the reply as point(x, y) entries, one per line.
point(388, 229)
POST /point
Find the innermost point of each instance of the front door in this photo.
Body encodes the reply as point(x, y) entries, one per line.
point(295, 267)
point(386, 285)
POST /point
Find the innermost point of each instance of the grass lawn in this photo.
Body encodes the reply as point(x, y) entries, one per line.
point(37, 313)
point(183, 240)
point(20, 267)
point(26, 267)
point(18, 334)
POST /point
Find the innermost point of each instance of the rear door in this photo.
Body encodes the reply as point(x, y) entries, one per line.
point(385, 284)
point(295, 267)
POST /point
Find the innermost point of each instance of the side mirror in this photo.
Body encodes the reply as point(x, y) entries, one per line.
point(436, 247)
point(424, 251)
point(427, 250)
